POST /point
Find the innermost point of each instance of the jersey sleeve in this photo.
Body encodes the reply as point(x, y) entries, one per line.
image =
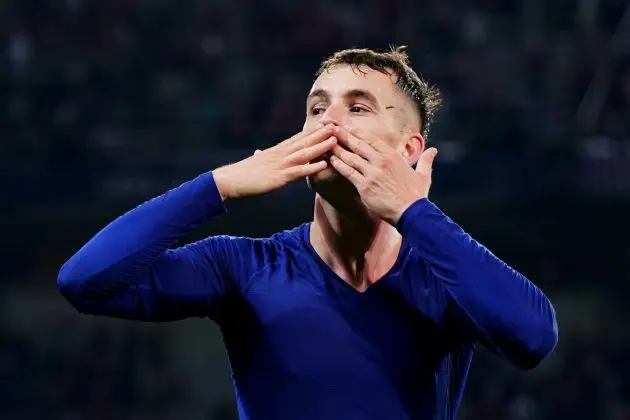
point(494, 303)
point(128, 271)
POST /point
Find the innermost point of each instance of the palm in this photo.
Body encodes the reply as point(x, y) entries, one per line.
point(275, 167)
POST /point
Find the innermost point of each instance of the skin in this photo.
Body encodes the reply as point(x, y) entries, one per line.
point(369, 183)
point(360, 138)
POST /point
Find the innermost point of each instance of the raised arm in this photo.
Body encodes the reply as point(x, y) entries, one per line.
point(499, 306)
point(505, 310)
point(127, 271)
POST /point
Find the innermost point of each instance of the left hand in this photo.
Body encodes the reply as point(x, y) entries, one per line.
point(385, 180)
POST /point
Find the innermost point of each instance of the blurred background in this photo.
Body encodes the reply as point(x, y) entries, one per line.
point(104, 104)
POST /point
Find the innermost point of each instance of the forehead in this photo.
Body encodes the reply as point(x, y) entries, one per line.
point(340, 79)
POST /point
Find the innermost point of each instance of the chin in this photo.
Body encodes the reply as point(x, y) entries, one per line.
point(327, 174)
point(329, 181)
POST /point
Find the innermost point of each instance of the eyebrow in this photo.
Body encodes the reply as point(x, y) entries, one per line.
point(353, 94)
point(318, 93)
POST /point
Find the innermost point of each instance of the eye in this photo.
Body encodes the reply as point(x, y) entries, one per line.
point(356, 109)
point(317, 109)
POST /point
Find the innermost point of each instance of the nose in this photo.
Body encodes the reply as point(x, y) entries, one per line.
point(334, 114)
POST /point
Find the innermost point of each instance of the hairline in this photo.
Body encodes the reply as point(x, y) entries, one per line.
point(418, 122)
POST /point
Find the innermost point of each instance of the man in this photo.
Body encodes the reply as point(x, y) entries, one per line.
point(369, 312)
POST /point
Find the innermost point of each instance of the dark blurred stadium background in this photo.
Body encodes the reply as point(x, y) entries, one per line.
point(107, 103)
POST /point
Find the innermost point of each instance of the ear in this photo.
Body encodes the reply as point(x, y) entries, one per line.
point(413, 147)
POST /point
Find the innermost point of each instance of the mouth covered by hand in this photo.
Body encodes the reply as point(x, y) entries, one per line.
point(326, 156)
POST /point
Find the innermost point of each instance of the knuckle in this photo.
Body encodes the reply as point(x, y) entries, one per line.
point(386, 162)
point(363, 188)
point(371, 179)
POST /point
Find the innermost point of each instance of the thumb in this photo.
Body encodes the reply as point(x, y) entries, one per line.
point(425, 163)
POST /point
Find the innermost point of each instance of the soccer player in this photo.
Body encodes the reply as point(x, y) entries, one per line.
point(373, 309)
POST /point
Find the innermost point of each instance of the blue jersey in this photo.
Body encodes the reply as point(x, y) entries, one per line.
point(302, 343)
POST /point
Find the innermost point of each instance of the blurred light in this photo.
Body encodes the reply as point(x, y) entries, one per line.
point(452, 151)
point(601, 148)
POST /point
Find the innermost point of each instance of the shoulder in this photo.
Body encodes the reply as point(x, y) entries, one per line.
point(264, 248)
point(241, 257)
point(416, 270)
point(423, 286)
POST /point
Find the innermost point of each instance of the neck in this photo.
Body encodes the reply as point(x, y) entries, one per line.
point(359, 248)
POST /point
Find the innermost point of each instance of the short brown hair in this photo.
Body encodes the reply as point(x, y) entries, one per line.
point(395, 61)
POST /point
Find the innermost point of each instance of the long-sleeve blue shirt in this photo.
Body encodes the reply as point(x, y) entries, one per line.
point(302, 343)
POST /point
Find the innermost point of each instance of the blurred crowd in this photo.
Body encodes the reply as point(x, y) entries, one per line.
point(125, 83)
point(99, 99)
point(96, 373)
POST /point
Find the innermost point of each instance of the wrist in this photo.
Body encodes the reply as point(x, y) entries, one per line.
point(395, 216)
point(402, 208)
point(222, 181)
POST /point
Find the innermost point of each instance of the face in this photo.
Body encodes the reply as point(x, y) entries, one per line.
point(369, 102)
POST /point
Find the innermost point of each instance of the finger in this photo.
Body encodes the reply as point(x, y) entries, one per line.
point(425, 163)
point(356, 144)
point(376, 142)
point(298, 136)
point(302, 156)
point(307, 169)
point(347, 171)
point(257, 151)
point(308, 139)
point(351, 159)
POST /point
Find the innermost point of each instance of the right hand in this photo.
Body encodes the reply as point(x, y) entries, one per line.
point(273, 168)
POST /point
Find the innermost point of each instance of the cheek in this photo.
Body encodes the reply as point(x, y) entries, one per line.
point(375, 125)
point(380, 131)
